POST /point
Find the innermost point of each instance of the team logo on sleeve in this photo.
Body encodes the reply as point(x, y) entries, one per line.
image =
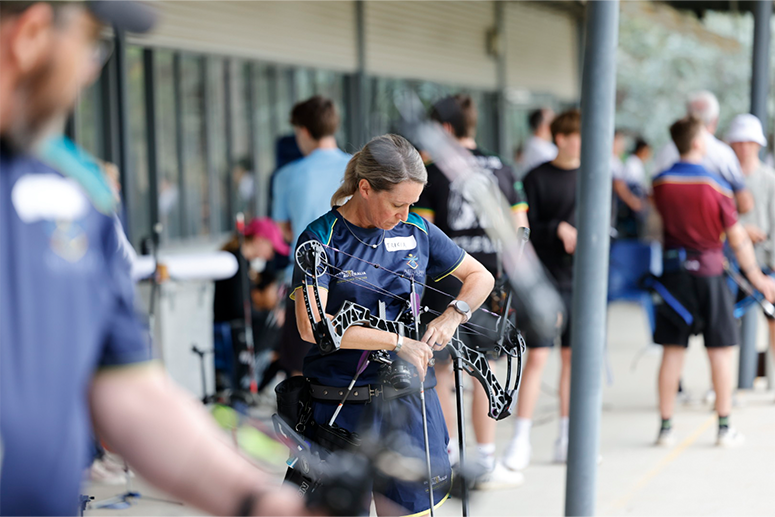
point(411, 261)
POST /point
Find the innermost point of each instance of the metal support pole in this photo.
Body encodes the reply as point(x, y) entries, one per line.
point(760, 85)
point(502, 111)
point(122, 115)
point(149, 76)
point(749, 358)
point(590, 282)
point(760, 76)
point(357, 91)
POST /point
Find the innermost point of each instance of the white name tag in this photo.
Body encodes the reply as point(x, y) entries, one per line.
point(400, 243)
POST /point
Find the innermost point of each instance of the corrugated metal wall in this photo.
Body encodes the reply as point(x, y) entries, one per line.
point(432, 41)
point(542, 50)
point(436, 41)
point(320, 34)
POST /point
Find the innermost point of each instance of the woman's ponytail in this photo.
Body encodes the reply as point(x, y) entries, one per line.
point(349, 182)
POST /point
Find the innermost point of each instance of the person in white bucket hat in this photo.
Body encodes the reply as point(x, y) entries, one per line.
point(746, 138)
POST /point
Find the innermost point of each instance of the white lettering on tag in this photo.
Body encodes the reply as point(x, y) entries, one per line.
point(400, 243)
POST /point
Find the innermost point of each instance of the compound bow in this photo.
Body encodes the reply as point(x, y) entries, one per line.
point(313, 260)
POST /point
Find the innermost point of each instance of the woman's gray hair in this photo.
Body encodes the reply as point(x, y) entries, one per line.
point(384, 162)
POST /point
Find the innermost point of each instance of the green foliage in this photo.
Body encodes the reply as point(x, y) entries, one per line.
point(660, 61)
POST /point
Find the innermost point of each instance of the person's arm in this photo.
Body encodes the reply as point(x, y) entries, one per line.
point(743, 248)
point(626, 195)
point(280, 209)
point(361, 338)
point(744, 201)
point(169, 440)
point(477, 285)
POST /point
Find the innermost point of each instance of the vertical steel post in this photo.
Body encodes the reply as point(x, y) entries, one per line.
point(502, 113)
point(357, 91)
point(760, 85)
point(149, 76)
point(122, 115)
point(588, 329)
point(760, 76)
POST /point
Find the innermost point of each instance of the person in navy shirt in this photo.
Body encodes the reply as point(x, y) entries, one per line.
point(382, 181)
point(72, 352)
point(697, 210)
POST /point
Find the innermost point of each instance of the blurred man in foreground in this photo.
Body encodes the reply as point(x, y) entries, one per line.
point(72, 353)
point(697, 209)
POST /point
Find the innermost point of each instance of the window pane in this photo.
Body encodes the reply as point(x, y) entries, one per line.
point(216, 136)
point(264, 109)
point(88, 120)
point(283, 100)
point(197, 206)
point(170, 206)
point(242, 180)
point(137, 181)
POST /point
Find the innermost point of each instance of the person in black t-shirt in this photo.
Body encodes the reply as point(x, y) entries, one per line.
point(449, 209)
point(551, 193)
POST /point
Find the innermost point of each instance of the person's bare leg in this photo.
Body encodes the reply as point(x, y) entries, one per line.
point(531, 381)
point(669, 376)
point(721, 373)
point(771, 325)
point(561, 445)
point(445, 383)
point(484, 426)
point(565, 357)
point(517, 455)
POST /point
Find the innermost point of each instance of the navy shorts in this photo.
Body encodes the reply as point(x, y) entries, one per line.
point(403, 414)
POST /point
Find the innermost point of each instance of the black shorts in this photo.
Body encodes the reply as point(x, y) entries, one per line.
point(708, 300)
point(532, 340)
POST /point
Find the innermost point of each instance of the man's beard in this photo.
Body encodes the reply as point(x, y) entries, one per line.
point(38, 110)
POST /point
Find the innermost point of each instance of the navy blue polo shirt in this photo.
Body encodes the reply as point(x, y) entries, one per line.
point(66, 310)
point(415, 249)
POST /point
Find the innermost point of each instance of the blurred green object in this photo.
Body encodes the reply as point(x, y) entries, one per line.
point(250, 440)
point(260, 446)
point(226, 417)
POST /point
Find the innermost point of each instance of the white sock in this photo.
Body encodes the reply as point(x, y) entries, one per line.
point(564, 427)
point(486, 454)
point(522, 428)
point(453, 450)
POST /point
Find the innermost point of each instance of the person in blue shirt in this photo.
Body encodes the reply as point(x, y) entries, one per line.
point(301, 191)
point(374, 224)
point(73, 354)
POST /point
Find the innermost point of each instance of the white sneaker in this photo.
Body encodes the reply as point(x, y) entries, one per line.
point(99, 473)
point(499, 478)
point(666, 438)
point(710, 397)
point(517, 455)
point(729, 437)
point(561, 450)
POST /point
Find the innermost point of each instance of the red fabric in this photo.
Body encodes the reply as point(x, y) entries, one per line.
point(696, 208)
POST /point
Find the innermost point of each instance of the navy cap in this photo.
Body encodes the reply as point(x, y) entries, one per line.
point(128, 15)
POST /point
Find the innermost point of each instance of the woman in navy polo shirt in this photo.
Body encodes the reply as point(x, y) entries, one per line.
point(382, 181)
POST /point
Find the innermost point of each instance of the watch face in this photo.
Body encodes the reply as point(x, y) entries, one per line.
point(462, 306)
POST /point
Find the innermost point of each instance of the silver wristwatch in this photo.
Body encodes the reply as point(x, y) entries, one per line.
point(461, 307)
point(399, 343)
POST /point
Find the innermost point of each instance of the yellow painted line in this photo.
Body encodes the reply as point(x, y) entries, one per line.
point(620, 503)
